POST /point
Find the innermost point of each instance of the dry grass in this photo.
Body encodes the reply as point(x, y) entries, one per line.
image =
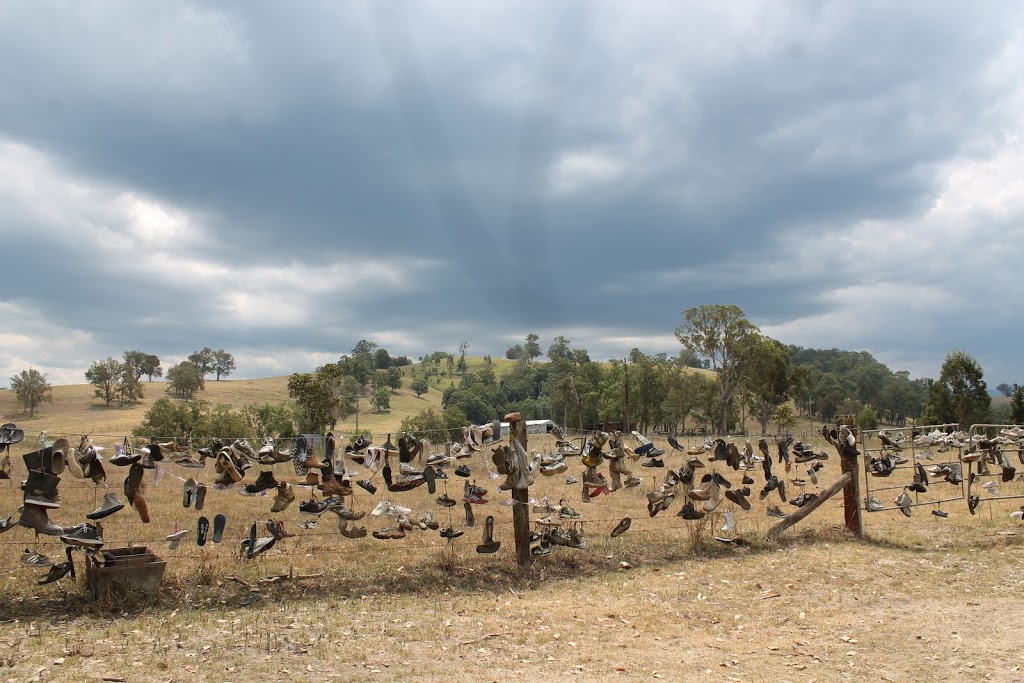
point(916, 599)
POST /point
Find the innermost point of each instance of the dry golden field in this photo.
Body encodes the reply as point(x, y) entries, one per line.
point(919, 598)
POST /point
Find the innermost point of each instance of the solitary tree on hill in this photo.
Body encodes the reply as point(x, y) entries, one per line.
point(32, 388)
point(223, 363)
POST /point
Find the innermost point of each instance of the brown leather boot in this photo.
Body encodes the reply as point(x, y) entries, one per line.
point(331, 487)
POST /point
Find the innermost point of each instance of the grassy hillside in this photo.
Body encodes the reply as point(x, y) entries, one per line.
point(75, 410)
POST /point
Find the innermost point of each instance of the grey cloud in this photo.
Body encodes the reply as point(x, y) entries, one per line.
point(645, 159)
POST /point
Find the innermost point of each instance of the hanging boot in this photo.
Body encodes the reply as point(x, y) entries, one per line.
point(34, 460)
point(35, 517)
point(41, 489)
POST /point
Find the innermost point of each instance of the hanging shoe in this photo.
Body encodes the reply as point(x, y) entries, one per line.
point(622, 527)
point(174, 539)
point(108, 506)
point(488, 544)
point(566, 512)
point(261, 546)
point(35, 518)
point(87, 535)
point(872, 504)
point(688, 511)
point(57, 572)
point(34, 559)
point(284, 497)
point(739, 497)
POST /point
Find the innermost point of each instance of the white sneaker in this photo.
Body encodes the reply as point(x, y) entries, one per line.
point(381, 509)
point(730, 524)
point(373, 459)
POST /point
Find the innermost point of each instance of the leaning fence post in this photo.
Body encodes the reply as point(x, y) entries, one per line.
point(521, 510)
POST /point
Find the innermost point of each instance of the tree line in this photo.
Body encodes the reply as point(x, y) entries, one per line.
point(725, 372)
point(751, 375)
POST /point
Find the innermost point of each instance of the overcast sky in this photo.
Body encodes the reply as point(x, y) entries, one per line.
point(283, 179)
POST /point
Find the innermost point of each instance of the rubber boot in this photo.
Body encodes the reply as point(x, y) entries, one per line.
point(55, 457)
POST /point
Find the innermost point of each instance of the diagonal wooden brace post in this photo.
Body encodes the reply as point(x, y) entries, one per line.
point(810, 507)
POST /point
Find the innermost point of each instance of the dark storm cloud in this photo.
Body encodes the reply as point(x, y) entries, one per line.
point(286, 180)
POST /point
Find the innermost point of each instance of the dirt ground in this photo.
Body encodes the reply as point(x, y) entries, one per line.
point(820, 607)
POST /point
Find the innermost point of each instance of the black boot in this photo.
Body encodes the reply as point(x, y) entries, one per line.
point(41, 489)
point(34, 460)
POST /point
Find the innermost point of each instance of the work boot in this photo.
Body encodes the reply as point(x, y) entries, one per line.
point(702, 491)
point(34, 517)
point(133, 482)
point(332, 487)
point(284, 497)
point(264, 482)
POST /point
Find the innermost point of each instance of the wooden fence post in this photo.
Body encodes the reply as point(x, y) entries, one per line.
point(851, 496)
point(521, 509)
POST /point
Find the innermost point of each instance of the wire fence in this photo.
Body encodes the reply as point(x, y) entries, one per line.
point(324, 548)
